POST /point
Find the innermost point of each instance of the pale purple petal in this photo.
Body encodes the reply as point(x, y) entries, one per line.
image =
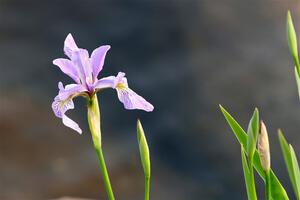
point(59, 107)
point(63, 102)
point(132, 100)
point(82, 61)
point(67, 67)
point(70, 45)
point(97, 59)
point(71, 91)
point(111, 81)
point(107, 82)
point(121, 79)
point(129, 98)
point(71, 124)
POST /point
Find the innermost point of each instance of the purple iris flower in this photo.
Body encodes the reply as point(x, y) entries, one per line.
point(84, 70)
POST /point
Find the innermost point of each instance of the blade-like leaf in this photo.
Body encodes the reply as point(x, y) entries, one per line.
point(236, 128)
point(292, 40)
point(296, 170)
point(278, 192)
point(248, 178)
point(252, 134)
point(297, 81)
point(288, 160)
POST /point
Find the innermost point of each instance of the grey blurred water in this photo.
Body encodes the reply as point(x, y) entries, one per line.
point(185, 57)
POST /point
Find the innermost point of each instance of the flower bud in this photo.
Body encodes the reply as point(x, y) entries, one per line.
point(94, 120)
point(144, 150)
point(263, 147)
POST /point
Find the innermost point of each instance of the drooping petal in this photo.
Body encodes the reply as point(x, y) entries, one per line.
point(81, 60)
point(59, 107)
point(97, 59)
point(128, 97)
point(70, 45)
point(71, 124)
point(63, 102)
point(132, 100)
point(67, 67)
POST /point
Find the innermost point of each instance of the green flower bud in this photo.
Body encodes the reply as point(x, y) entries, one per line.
point(94, 120)
point(144, 150)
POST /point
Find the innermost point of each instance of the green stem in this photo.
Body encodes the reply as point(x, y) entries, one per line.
point(105, 174)
point(268, 186)
point(147, 188)
point(251, 173)
point(94, 124)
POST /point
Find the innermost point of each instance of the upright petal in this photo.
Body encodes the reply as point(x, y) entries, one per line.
point(82, 61)
point(70, 45)
point(67, 67)
point(63, 102)
point(97, 59)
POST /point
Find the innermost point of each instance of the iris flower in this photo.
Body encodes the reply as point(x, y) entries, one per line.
point(84, 70)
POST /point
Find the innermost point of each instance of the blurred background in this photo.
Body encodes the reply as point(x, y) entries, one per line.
point(184, 56)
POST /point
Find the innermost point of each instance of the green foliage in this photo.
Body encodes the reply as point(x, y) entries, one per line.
point(277, 190)
point(291, 163)
point(297, 81)
point(292, 40)
point(250, 185)
point(253, 129)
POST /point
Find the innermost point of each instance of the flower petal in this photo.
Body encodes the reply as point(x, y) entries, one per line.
point(63, 102)
point(128, 97)
point(132, 100)
point(82, 61)
point(97, 59)
point(71, 124)
point(67, 67)
point(107, 82)
point(70, 45)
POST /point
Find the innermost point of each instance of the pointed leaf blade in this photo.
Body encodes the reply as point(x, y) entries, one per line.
point(296, 170)
point(278, 192)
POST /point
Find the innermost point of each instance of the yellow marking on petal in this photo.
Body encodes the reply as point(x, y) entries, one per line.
point(121, 86)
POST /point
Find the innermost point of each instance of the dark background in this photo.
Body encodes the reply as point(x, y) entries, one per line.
point(184, 56)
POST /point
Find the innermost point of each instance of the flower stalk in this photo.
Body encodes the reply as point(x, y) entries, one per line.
point(95, 128)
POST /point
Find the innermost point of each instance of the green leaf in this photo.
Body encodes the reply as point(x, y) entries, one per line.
point(292, 40)
point(252, 135)
point(288, 160)
point(278, 192)
point(297, 81)
point(296, 170)
point(236, 128)
point(250, 187)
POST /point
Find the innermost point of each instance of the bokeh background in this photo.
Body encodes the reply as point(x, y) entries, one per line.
point(184, 56)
